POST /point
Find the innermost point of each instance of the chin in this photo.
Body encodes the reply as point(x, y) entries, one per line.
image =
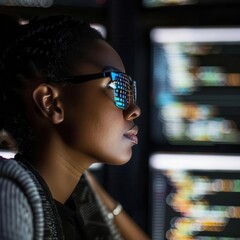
point(115, 157)
point(116, 161)
point(122, 161)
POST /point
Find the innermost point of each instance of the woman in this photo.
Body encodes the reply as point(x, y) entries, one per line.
point(68, 103)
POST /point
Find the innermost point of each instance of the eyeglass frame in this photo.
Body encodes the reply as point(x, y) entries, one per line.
point(88, 77)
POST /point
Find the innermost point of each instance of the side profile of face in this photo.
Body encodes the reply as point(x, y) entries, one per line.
point(93, 126)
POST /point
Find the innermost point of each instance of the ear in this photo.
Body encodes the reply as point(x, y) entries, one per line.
point(46, 98)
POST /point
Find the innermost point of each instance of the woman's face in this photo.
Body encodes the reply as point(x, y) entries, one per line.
point(93, 125)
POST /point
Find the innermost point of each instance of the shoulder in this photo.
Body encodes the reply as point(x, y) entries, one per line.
point(20, 203)
point(12, 171)
point(9, 167)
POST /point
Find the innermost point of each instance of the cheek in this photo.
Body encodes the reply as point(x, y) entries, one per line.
point(102, 137)
point(88, 123)
point(110, 146)
point(96, 128)
point(106, 128)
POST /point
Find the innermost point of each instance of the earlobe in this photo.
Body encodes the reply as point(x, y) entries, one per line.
point(46, 99)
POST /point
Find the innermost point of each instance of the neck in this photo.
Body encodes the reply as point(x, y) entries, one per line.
point(61, 168)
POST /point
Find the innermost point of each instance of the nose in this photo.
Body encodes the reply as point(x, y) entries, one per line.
point(132, 112)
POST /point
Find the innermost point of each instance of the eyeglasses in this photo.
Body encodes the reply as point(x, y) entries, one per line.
point(125, 92)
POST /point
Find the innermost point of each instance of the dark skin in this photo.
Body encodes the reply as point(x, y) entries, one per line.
point(77, 125)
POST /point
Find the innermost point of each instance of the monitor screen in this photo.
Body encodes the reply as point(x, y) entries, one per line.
point(161, 3)
point(195, 87)
point(50, 3)
point(195, 197)
point(7, 154)
point(101, 28)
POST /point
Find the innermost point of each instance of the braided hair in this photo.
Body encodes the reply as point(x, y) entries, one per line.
point(46, 48)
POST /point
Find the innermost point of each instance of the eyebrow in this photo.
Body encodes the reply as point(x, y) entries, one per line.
point(110, 68)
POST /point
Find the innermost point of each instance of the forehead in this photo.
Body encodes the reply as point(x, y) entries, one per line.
point(100, 55)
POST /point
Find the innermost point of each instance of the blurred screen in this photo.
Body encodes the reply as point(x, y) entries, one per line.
point(161, 3)
point(50, 3)
point(195, 95)
point(7, 154)
point(101, 28)
point(195, 197)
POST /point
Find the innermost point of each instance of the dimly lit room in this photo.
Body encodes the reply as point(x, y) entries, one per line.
point(183, 179)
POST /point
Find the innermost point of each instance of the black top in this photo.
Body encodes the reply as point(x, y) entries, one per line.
point(70, 223)
point(82, 217)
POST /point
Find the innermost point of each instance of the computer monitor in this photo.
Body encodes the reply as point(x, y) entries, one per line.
point(195, 87)
point(162, 3)
point(101, 28)
point(7, 154)
point(195, 196)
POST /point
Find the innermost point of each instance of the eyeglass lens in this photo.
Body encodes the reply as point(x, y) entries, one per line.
point(124, 92)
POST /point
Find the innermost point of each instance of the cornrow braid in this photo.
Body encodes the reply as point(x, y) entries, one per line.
point(46, 48)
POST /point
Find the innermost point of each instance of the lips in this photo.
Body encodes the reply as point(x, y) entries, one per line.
point(132, 134)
